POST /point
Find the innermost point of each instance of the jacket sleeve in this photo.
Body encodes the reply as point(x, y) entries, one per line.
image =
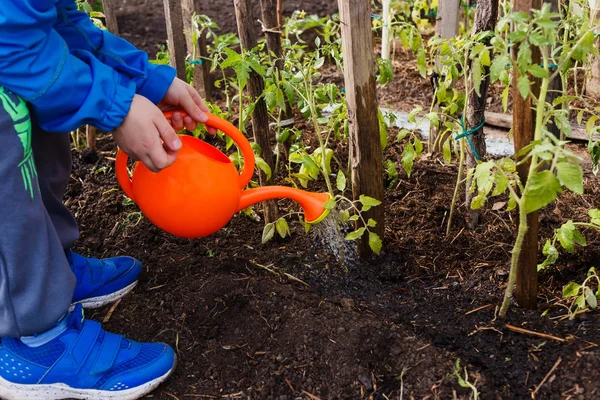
point(64, 91)
point(152, 81)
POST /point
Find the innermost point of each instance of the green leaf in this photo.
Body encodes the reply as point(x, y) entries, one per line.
point(551, 254)
point(571, 290)
point(368, 201)
point(329, 204)
point(501, 184)
point(402, 134)
point(263, 166)
point(356, 234)
point(498, 65)
point(580, 116)
point(523, 85)
point(418, 146)
point(375, 242)
point(422, 63)
point(524, 57)
point(477, 76)
point(561, 119)
point(340, 181)
point(371, 223)
point(485, 57)
point(282, 227)
point(353, 218)
point(383, 133)
point(590, 124)
point(447, 151)
point(590, 298)
point(344, 216)
point(571, 176)
point(594, 214)
point(408, 156)
point(541, 189)
point(512, 204)
point(504, 96)
point(268, 232)
point(537, 71)
point(568, 236)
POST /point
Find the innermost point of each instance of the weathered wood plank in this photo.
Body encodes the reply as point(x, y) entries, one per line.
point(523, 132)
point(500, 120)
point(201, 77)
point(176, 36)
point(110, 15)
point(485, 20)
point(260, 116)
point(365, 148)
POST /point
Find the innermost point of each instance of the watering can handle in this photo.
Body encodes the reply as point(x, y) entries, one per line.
point(213, 122)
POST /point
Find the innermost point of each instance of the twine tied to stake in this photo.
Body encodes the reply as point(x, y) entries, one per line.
point(467, 133)
point(196, 62)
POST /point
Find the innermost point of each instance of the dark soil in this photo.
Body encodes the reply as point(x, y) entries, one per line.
point(284, 321)
point(142, 22)
point(245, 326)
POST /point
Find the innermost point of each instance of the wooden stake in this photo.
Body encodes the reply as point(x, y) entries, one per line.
point(260, 116)
point(201, 78)
point(176, 35)
point(523, 133)
point(486, 15)
point(110, 15)
point(593, 84)
point(272, 28)
point(385, 33)
point(365, 148)
point(555, 87)
point(446, 27)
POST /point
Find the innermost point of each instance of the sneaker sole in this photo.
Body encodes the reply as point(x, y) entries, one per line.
point(60, 391)
point(100, 301)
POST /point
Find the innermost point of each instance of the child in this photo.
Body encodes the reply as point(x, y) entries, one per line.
point(58, 72)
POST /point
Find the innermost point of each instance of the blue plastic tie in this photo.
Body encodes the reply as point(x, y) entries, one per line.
point(196, 62)
point(375, 16)
point(467, 133)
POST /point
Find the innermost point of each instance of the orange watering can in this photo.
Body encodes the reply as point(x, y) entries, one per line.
point(201, 191)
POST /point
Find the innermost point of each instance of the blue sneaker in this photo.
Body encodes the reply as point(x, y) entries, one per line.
point(100, 282)
point(82, 362)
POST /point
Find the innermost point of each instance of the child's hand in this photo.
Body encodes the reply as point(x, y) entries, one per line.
point(184, 96)
point(141, 132)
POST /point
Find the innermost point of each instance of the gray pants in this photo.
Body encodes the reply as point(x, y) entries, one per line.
point(36, 283)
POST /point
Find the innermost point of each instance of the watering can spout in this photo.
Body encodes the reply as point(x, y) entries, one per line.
point(313, 204)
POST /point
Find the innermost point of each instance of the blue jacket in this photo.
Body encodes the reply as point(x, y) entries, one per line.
point(68, 70)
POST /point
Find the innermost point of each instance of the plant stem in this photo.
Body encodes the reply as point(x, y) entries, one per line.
point(461, 162)
point(461, 166)
point(516, 252)
point(313, 114)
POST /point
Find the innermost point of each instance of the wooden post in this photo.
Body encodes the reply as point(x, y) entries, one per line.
point(272, 29)
point(385, 33)
point(486, 15)
point(446, 27)
point(110, 15)
point(523, 132)
point(592, 86)
point(177, 49)
point(279, 12)
point(366, 155)
point(201, 78)
point(555, 87)
point(260, 116)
